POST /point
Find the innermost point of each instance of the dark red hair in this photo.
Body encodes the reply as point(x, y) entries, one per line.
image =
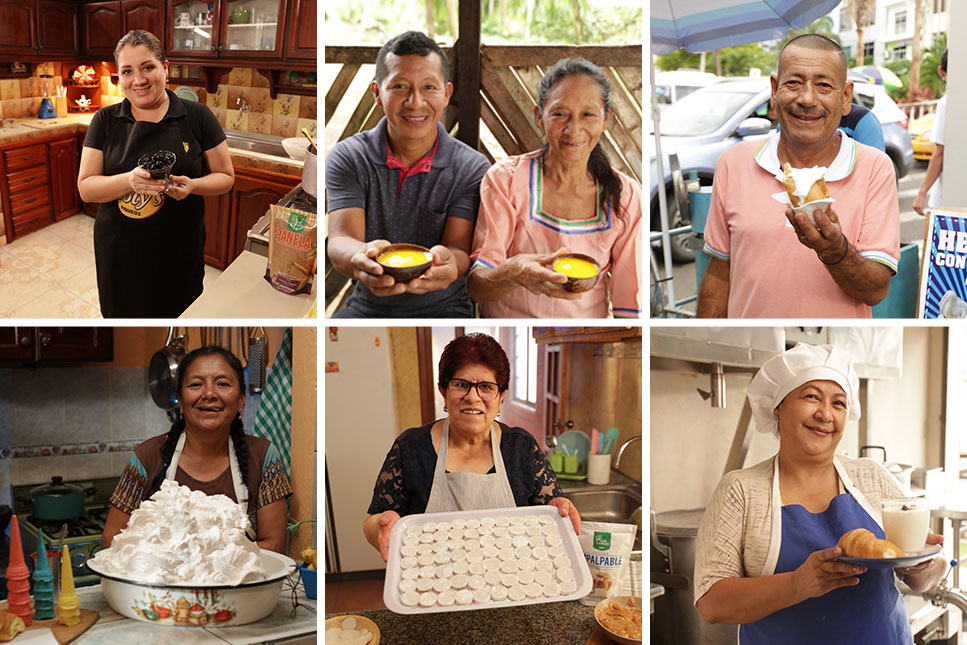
point(474, 349)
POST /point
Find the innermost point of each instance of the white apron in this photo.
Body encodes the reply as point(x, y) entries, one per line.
point(241, 491)
point(468, 491)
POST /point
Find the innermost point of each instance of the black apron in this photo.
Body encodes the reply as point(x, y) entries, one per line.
point(149, 251)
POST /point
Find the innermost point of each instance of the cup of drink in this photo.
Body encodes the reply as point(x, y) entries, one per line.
point(158, 163)
point(905, 522)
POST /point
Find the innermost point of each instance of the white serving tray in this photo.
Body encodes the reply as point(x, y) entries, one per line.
point(572, 548)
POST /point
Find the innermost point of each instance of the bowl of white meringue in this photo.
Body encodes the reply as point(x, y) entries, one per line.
point(184, 560)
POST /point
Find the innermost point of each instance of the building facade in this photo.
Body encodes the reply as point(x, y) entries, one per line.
point(890, 36)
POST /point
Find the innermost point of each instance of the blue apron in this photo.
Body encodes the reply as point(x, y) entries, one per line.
point(870, 613)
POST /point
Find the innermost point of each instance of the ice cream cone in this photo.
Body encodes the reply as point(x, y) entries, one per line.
point(69, 605)
point(18, 586)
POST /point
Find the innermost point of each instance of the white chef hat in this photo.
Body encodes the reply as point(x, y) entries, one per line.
point(782, 374)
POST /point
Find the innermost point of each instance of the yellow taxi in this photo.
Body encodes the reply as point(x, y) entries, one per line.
point(920, 130)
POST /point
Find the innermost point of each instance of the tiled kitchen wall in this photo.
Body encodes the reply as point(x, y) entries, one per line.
point(72, 405)
point(284, 116)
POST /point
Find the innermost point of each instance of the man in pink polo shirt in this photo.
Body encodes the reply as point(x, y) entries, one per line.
point(770, 262)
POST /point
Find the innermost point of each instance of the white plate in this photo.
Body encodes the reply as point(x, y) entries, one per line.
point(928, 553)
point(570, 544)
point(808, 208)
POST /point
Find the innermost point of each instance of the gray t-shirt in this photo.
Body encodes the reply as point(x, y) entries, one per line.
point(414, 210)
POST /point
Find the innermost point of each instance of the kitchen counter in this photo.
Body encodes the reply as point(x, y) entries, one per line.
point(241, 291)
point(115, 629)
point(617, 480)
point(552, 623)
point(27, 129)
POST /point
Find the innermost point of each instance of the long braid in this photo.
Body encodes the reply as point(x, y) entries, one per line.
point(237, 434)
point(167, 452)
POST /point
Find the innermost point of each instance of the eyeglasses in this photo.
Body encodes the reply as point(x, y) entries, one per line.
point(485, 389)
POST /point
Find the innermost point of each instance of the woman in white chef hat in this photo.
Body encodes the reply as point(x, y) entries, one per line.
point(766, 552)
point(468, 460)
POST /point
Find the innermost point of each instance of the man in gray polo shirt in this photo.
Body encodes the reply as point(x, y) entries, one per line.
point(406, 180)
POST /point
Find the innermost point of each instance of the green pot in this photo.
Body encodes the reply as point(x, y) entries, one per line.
point(239, 16)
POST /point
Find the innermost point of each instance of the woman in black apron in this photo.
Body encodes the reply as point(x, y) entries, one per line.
point(149, 235)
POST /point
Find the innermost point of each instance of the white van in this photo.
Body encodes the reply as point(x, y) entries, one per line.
point(673, 86)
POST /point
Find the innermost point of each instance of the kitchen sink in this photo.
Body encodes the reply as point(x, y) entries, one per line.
point(253, 142)
point(608, 505)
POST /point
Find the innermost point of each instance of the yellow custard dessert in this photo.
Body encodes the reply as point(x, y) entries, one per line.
point(575, 267)
point(404, 258)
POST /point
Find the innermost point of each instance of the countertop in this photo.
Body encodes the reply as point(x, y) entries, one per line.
point(114, 629)
point(552, 623)
point(241, 291)
point(26, 129)
point(618, 478)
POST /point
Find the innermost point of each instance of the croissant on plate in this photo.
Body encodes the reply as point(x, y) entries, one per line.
point(860, 543)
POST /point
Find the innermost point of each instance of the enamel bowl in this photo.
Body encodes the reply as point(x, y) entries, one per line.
point(405, 273)
point(201, 606)
point(580, 285)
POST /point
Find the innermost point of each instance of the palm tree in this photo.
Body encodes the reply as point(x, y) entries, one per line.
point(861, 13)
point(921, 12)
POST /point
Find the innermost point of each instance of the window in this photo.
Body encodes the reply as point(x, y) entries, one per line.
point(867, 51)
point(848, 50)
point(523, 367)
point(844, 23)
point(900, 22)
point(939, 5)
point(900, 52)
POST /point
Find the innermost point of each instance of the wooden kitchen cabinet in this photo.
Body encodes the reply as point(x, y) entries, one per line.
point(39, 344)
point(57, 28)
point(64, 161)
point(253, 194)
point(38, 28)
point(103, 23)
point(217, 214)
point(238, 29)
point(144, 14)
point(100, 26)
point(544, 335)
point(301, 35)
point(229, 217)
point(38, 184)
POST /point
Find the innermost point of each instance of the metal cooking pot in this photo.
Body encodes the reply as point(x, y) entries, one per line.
point(163, 371)
point(676, 621)
point(58, 501)
point(309, 172)
point(903, 472)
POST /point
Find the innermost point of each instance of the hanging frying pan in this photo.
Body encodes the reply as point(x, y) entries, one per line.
point(163, 371)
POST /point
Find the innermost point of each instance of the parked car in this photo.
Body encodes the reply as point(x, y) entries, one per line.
point(673, 86)
point(712, 119)
point(920, 131)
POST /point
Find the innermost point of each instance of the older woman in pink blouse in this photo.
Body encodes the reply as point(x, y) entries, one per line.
point(564, 197)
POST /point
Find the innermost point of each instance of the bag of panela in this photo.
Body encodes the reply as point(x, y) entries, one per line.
point(607, 548)
point(292, 250)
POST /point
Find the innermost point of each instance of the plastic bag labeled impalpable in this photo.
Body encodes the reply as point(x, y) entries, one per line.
point(607, 548)
point(292, 250)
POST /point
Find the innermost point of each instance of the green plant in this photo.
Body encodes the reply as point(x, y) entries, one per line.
point(293, 527)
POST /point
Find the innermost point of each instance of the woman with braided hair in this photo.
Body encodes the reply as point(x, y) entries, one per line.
point(207, 450)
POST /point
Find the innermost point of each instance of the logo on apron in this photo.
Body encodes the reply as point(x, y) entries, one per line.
point(185, 143)
point(137, 206)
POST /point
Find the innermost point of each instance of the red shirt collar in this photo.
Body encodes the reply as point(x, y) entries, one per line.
point(423, 165)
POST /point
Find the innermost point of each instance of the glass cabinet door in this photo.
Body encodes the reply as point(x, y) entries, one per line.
point(191, 26)
point(253, 28)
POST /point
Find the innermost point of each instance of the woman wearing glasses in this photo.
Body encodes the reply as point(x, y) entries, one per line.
point(466, 461)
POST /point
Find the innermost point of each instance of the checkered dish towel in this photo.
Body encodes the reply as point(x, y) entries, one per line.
point(273, 421)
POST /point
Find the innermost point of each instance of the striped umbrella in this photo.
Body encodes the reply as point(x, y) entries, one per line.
point(879, 76)
point(705, 25)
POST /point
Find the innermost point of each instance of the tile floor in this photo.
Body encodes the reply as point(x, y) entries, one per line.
point(354, 595)
point(50, 273)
